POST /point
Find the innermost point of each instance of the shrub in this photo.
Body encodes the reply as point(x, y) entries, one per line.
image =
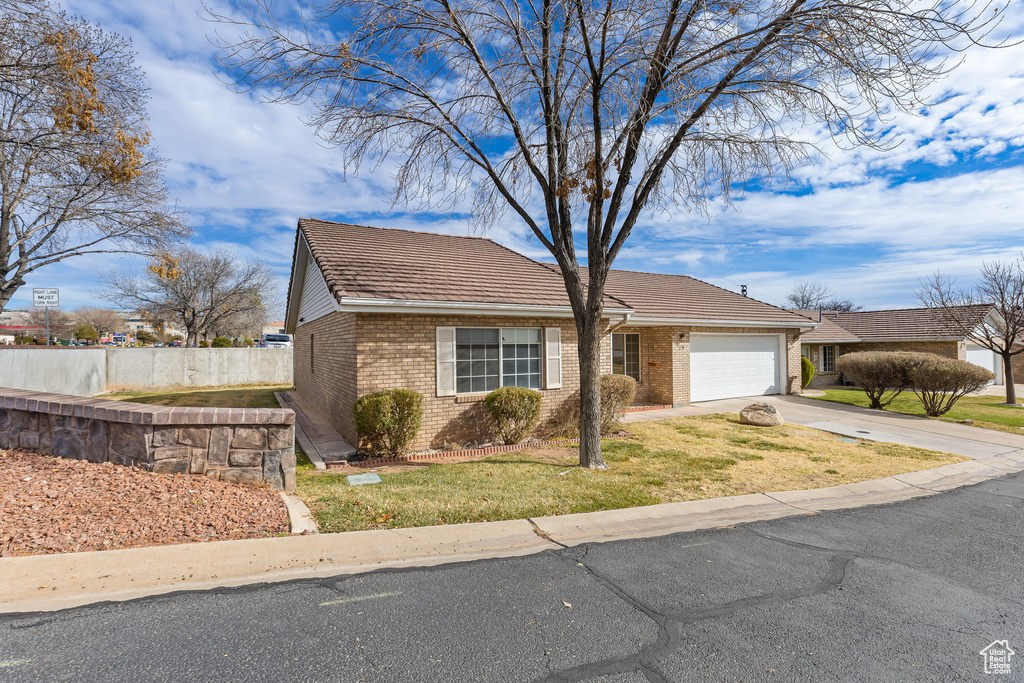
point(221, 343)
point(389, 420)
point(204, 344)
point(882, 374)
point(941, 382)
point(515, 411)
point(806, 371)
point(617, 394)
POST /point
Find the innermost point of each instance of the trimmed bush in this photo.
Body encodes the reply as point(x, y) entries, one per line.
point(883, 375)
point(204, 344)
point(617, 394)
point(389, 420)
point(806, 371)
point(515, 411)
point(221, 343)
point(941, 382)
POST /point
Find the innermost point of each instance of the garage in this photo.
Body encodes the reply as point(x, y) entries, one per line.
point(987, 359)
point(730, 366)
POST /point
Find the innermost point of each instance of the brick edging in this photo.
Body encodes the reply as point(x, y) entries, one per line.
point(640, 409)
point(425, 457)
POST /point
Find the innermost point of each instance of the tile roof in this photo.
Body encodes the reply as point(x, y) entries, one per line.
point(359, 261)
point(828, 330)
point(904, 324)
point(681, 297)
point(384, 263)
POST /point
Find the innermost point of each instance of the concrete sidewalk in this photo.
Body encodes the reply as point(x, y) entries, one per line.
point(863, 423)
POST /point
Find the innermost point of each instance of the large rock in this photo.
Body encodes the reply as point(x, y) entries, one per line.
point(761, 414)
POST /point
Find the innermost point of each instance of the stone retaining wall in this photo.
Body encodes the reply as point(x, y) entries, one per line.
point(239, 445)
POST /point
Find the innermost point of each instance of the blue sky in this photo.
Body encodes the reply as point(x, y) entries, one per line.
point(869, 224)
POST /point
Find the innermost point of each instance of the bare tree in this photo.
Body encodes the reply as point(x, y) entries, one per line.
point(841, 305)
point(61, 323)
point(100, 319)
point(198, 290)
point(76, 173)
point(965, 310)
point(570, 113)
point(808, 296)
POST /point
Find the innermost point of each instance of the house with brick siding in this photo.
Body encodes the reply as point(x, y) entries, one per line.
point(908, 329)
point(456, 317)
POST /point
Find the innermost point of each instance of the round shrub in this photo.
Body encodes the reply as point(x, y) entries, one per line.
point(941, 382)
point(883, 375)
point(388, 421)
point(617, 394)
point(221, 343)
point(806, 371)
point(204, 344)
point(515, 411)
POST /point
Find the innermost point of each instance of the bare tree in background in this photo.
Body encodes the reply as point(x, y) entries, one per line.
point(1000, 288)
point(583, 115)
point(61, 323)
point(100, 319)
point(808, 296)
point(197, 290)
point(76, 173)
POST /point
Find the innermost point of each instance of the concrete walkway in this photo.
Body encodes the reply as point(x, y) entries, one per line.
point(863, 423)
point(318, 439)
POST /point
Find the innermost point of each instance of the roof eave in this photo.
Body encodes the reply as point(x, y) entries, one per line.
point(700, 322)
point(368, 305)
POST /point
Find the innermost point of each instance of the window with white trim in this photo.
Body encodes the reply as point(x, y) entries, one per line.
point(828, 359)
point(490, 357)
point(626, 355)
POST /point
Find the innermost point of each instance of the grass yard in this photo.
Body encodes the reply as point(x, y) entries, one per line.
point(664, 461)
point(984, 410)
point(239, 396)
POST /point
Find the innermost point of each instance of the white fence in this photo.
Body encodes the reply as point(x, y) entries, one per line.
point(82, 372)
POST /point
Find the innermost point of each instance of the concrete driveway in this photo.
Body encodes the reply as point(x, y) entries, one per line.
point(863, 423)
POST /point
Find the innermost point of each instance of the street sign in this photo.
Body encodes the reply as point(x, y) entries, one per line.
point(46, 298)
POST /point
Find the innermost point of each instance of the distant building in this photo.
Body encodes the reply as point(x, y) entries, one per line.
point(275, 327)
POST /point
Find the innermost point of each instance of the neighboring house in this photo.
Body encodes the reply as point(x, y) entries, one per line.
point(275, 327)
point(909, 329)
point(455, 317)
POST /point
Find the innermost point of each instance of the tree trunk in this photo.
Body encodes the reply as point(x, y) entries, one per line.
point(589, 351)
point(1011, 391)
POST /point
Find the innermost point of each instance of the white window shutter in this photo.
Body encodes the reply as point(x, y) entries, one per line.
point(445, 361)
point(552, 358)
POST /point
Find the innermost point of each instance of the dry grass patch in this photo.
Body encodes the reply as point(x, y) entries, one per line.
point(665, 461)
point(237, 396)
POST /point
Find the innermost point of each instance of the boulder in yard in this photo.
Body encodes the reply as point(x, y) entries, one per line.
point(761, 414)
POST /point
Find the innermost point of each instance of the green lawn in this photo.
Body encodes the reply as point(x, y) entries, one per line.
point(242, 396)
point(984, 410)
point(664, 461)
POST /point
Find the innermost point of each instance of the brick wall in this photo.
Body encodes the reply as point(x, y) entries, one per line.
point(399, 351)
point(358, 354)
point(325, 368)
point(238, 445)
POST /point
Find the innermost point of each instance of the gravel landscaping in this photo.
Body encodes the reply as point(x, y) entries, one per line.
point(54, 505)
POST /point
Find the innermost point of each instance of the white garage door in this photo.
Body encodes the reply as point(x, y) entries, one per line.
point(979, 355)
point(731, 366)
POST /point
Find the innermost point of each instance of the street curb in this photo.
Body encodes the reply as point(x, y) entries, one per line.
point(60, 581)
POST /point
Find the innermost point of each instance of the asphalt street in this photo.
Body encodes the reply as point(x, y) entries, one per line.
point(910, 591)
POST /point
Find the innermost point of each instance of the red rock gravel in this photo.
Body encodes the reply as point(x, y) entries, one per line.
point(54, 505)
